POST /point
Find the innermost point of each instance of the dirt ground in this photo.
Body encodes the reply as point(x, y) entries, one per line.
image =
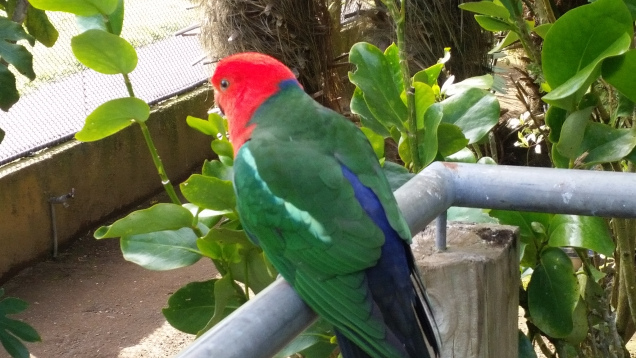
point(90, 302)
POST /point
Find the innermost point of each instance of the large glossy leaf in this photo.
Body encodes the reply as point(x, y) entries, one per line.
point(39, 26)
point(605, 144)
point(192, 306)
point(376, 140)
point(209, 192)
point(492, 24)
point(525, 347)
point(510, 38)
point(161, 250)
point(586, 232)
point(429, 75)
point(14, 54)
point(392, 55)
point(450, 139)
point(77, 7)
point(259, 274)
point(486, 8)
point(113, 116)
point(553, 293)
point(367, 118)
point(572, 132)
point(374, 76)
point(214, 168)
point(576, 45)
point(428, 146)
point(620, 72)
point(162, 216)
point(396, 174)
point(475, 111)
point(8, 92)
point(554, 118)
point(104, 52)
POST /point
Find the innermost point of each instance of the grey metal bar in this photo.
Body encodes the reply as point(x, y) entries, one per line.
point(262, 326)
point(259, 328)
point(440, 231)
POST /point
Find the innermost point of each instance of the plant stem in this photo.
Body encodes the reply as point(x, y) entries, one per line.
point(165, 181)
point(399, 17)
point(626, 269)
point(524, 35)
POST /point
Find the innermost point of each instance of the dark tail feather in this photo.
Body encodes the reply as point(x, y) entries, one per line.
point(423, 308)
point(348, 348)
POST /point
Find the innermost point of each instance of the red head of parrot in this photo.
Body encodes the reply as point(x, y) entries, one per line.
point(242, 82)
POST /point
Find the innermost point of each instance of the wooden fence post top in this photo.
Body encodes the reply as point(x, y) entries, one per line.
point(473, 287)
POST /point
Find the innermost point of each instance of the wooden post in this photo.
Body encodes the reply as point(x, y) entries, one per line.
point(474, 288)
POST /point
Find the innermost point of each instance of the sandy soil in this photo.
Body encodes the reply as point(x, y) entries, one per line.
point(90, 302)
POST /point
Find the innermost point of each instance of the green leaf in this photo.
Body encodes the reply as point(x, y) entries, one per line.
point(316, 336)
point(486, 8)
point(424, 98)
point(116, 18)
point(554, 118)
point(39, 26)
point(475, 111)
point(484, 82)
point(225, 295)
point(605, 144)
point(525, 347)
point(553, 293)
point(14, 54)
point(572, 132)
point(429, 75)
point(450, 139)
point(217, 169)
point(113, 116)
point(428, 146)
point(579, 321)
point(492, 24)
point(392, 54)
point(192, 306)
point(77, 7)
point(376, 140)
point(259, 273)
point(472, 215)
point(219, 123)
point(160, 217)
point(209, 192)
point(574, 48)
point(631, 5)
point(404, 150)
point(223, 147)
point(13, 346)
point(374, 77)
point(202, 125)
point(511, 37)
point(463, 156)
point(161, 250)
point(396, 174)
point(8, 92)
point(228, 236)
point(586, 232)
point(104, 52)
point(11, 330)
point(367, 118)
point(530, 238)
point(620, 72)
point(542, 30)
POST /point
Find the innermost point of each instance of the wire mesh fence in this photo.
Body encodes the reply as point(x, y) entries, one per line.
point(53, 107)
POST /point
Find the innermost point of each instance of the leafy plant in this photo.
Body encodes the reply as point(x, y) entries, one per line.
point(586, 69)
point(22, 22)
point(12, 331)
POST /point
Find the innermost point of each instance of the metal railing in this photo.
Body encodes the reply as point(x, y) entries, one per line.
point(265, 324)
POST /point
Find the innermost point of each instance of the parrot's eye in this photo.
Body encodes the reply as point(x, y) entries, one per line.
point(225, 84)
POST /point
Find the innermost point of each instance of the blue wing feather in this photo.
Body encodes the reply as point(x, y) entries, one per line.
point(391, 283)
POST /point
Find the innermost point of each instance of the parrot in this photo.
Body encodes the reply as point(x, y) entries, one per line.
point(312, 194)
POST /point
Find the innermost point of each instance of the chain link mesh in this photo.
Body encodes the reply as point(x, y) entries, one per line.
point(53, 107)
